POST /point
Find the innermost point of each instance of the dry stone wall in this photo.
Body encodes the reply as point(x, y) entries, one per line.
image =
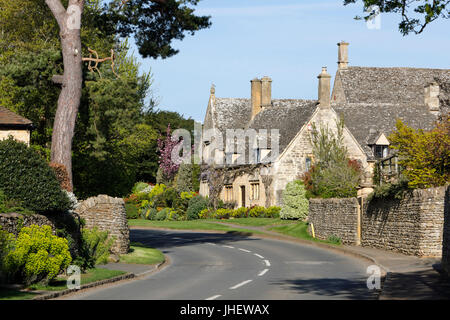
point(108, 214)
point(446, 235)
point(412, 226)
point(13, 222)
point(338, 217)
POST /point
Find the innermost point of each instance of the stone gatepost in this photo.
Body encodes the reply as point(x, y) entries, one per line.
point(107, 214)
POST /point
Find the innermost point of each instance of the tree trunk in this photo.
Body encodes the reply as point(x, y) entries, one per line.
point(69, 99)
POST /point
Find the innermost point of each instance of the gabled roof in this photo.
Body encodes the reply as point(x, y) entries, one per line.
point(367, 121)
point(9, 118)
point(286, 115)
point(388, 85)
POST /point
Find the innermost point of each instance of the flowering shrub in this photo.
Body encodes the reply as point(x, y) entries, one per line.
point(257, 211)
point(37, 255)
point(205, 214)
point(240, 213)
point(223, 213)
point(273, 212)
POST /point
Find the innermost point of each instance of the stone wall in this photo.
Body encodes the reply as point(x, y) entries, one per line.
point(338, 217)
point(412, 226)
point(446, 235)
point(108, 214)
point(12, 222)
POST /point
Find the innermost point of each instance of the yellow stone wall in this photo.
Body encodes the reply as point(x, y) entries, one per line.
point(20, 135)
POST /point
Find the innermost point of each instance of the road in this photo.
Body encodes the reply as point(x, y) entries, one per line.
point(235, 267)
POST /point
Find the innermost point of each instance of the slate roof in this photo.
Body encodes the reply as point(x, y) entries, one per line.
point(286, 115)
point(388, 85)
point(11, 119)
point(366, 121)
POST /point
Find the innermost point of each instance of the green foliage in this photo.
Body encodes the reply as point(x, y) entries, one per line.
point(394, 190)
point(26, 177)
point(241, 212)
point(425, 155)
point(184, 178)
point(196, 205)
point(222, 213)
point(273, 212)
point(162, 215)
point(333, 175)
point(37, 255)
point(132, 211)
point(295, 204)
point(415, 15)
point(6, 244)
point(334, 239)
point(139, 187)
point(11, 205)
point(96, 247)
point(257, 211)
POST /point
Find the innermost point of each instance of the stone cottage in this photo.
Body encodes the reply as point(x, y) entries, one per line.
point(11, 124)
point(369, 99)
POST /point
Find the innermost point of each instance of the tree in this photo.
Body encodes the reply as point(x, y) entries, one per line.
point(424, 155)
point(416, 15)
point(184, 178)
point(154, 23)
point(166, 145)
point(333, 175)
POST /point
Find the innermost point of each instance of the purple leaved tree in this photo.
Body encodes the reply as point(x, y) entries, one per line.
point(166, 146)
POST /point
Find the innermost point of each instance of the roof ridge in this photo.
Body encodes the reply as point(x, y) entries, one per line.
point(12, 118)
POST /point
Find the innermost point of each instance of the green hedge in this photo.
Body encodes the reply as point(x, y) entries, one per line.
point(26, 177)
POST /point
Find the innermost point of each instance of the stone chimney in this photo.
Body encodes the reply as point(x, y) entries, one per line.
point(256, 87)
point(432, 91)
point(324, 89)
point(266, 92)
point(343, 55)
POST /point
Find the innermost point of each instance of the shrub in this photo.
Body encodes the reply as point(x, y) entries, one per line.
point(425, 155)
point(151, 214)
point(37, 255)
point(195, 206)
point(295, 204)
point(25, 176)
point(172, 215)
point(132, 211)
point(162, 215)
point(241, 212)
point(139, 187)
point(334, 239)
point(6, 243)
point(205, 214)
point(184, 178)
point(257, 212)
point(62, 176)
point(273, 212)
point(223, 213)
point(96, 247)
point(11, 205)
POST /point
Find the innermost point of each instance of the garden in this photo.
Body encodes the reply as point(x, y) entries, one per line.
point(34, 258)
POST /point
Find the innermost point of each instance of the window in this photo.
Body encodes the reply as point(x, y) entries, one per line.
point(229, 193)
point(257, 155)
point(255, 191)
point(308, 163)
point(380, 151)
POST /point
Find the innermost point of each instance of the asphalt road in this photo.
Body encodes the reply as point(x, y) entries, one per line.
point(235, 267)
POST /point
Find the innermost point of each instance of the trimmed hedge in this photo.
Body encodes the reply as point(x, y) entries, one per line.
point(26, 177)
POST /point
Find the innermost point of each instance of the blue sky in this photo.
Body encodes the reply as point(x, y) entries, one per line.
point(288, 41)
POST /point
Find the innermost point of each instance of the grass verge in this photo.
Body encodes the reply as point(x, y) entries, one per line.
point(188, 225)
point(300, 230)
point(255, 222)
point(58, 284)
point(140, 254)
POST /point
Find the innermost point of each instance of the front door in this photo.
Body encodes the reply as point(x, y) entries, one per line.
point(242, 196)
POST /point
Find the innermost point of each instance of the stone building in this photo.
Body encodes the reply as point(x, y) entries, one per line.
point(11, 124)
point(369, 99)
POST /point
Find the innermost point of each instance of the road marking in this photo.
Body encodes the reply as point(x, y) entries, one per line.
point(259, 256)
point(263, 272)
point(312, 263)
point(211, 244)
point(213, 297)
point(176, 238)
point(228, 247)
point(245, 250)
point(240, 284)
point(267, 263)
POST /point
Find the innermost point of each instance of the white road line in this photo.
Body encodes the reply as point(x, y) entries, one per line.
point(259, 256)
point(267, 263)
point(245, 250)
point(228, 247)
point(211, 244)
point(263, 272)
point(240, 284)
point(213, 297)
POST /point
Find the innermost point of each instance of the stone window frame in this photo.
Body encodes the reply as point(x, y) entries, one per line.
point(228, 193)
point(255, 190)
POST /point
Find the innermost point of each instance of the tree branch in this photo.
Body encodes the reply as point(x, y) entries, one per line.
point(58, 10)
point(97, 60)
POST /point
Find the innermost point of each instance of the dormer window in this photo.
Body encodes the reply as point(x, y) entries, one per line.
point(380, 151)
